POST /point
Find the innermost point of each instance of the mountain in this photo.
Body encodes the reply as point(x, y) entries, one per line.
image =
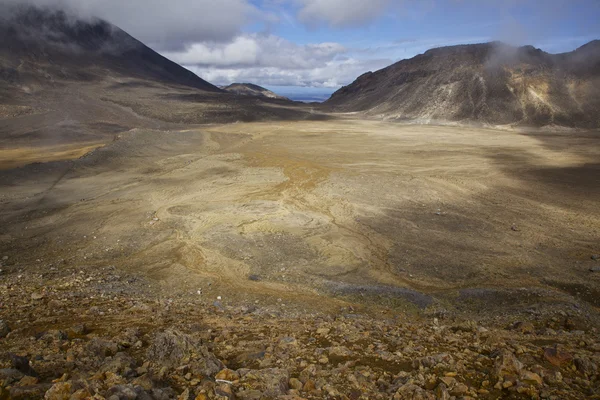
point(491, 83)
point(69, 48)
point(67, 79)
point(249, 89)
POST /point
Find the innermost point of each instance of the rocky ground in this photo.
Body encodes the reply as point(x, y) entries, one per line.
point(70, 333)
point(341, 259)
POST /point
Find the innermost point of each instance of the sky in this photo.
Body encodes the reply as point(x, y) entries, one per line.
point(313, 47)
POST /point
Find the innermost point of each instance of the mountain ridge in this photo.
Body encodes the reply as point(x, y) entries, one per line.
point(492, 83)
point(73, 48)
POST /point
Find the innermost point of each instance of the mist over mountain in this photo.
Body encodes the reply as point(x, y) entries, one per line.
point(491, 83)
point(66, 47)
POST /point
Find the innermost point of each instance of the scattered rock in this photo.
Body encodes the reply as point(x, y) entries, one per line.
point(272, 382)
point(37, 296)
point(507, 365)
point(557, 357)
point(10, 375)
point(4, 329)
point(77, 331)
point(595, 269)
point(172, 349)
point(524, 327)
point(595, 257)
point(531, 378)
point(21, 364)
point(102, 347)
point(227, 375)
point(295, 384)
point(59, 391)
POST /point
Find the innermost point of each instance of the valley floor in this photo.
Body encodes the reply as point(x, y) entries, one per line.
point(263, 232)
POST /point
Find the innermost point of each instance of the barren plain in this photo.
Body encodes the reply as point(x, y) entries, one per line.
point(425, 216)
point(344, 258)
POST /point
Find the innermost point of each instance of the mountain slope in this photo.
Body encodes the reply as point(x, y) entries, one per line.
point(71, 81)
point(490, 83)
point(68, 48)
point(249, 89)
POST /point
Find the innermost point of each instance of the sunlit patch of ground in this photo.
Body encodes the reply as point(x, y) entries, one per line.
point(339, 208)
point(18, 157)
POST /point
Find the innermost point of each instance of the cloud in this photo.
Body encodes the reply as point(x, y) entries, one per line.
point(341, 13)
point(166, 25)
point(331, 75)
point(258, 50)
point(272, 60)
point(267, 59)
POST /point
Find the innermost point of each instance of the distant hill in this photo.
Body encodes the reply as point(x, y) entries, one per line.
point(491, 83)
point(249, 89)
point(42, 45)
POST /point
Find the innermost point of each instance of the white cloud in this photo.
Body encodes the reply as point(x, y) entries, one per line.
point(271, 60)
point(166, 25)
point(332, 74)
point(341, 13)
point(258, 50)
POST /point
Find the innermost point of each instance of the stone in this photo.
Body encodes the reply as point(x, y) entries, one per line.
point(309, 386)
point(323, 331)
point(81, 394)
point(77, 331)
point(172, 349)
point(25, 392)
point(295, 384)
point(595, 257)
point(102, 347)
point(125, 392)
point(507, 365)
point(411, 391)
point(22, 364)
point(595, 269)
point(10, 375)
point(557, 357)
point(121, 364)
point(272, 382)
point(585, 366)
point(340, 351)
point(185, 395)
point(441, 392)
point(59, 391)
point(37, 296)
point(459, 390)
point(28, 381)
point(524, 327)
point(531, 378)
point(224, 391)
point(4, 329)
point(448, 381)
point(227, 375)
